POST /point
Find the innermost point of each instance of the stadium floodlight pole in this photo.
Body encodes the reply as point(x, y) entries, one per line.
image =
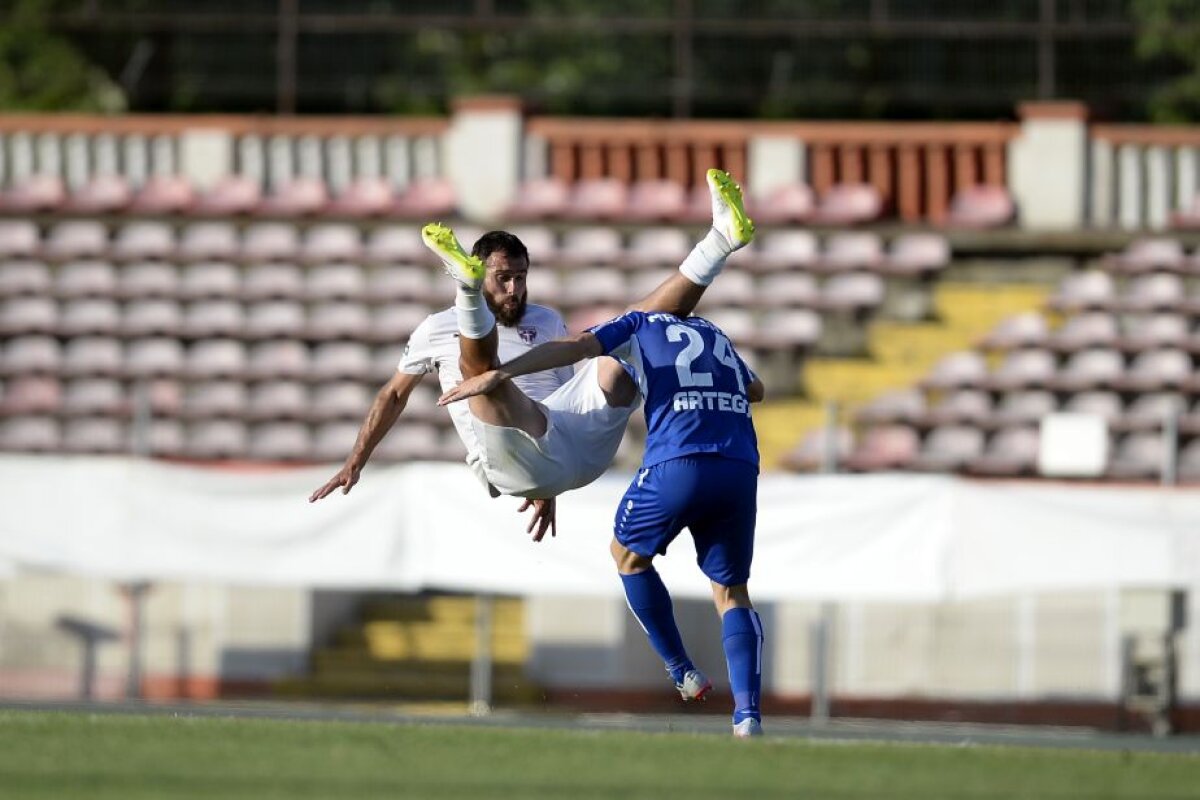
point(481, 664)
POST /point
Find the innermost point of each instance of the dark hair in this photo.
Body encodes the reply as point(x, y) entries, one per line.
point(500, 241)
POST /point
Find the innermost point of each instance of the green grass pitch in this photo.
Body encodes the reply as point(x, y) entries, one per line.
point(65, 755)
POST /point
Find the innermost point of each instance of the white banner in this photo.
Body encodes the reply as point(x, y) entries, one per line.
point(885, 537)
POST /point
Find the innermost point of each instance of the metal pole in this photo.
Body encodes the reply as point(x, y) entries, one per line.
point(1170, 464)
point(136, 593)
point(481, 665)
point(819, 642)
point(829, 454)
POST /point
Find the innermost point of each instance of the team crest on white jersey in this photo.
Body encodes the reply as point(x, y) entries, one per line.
point(527, 334)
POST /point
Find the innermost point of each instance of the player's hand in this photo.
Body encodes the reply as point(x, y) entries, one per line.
point(480, 384)
point(346, 477)
point(543, 517)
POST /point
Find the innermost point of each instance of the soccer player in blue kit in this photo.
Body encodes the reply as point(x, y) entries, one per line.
point(699, 471)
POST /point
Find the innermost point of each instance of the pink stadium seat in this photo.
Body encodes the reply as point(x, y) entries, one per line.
point(152, 317)
point(594, 286)
point(592, 245)
point(208, 240)
point(340, 400)
point(736, 324)
point(655, 201)
point(597, 199)
point(1146, 332)
point(733, 288)
point(93, 315)
point(1084, 290)
point(333, 440)
point(35, 193)
point(415, 283)
point(1138, 456)
point(785, 250)
point(1020, 330)
point(408, 442)
point(1012, 451)
point(341, 360)
point(852, 291)
point(364, 197)
point(273, 281)
point(95, 435)
point(18, 237)
point(948, 448)
point(76, 239)
point(86, 279)
point(791, 328)
point(216, 439)
point(279, 400)
point(148, 280)
point(24, 278)
point(899, 405)
point(1149, 411)
point(960, 407)
point(278, 359)
point(1189, 456)
point(1104, 404)
point(657, 247)
point(32, 394)
point(787, 290)
point(981, 207)
point(809, 454)
point(336, 282)
point(214, 318)
point(1157, 369)
point(20, 315)
point(332, 242)
point(425, 199)
point(1152, 254)
point(1090, 369)
point(30, 434)
point(270, 241)
point(916, 254)
point(389, 243)
point(103, 194)
point(216, 358)
point(384, 360)
point(639, 283)
point(850, 251)
point(297, 198)
point(396, 322)
point(1023, 407)
point(144, 240)
point(581, 319)
point(31, 355)
point(158, 356)
point(1187, 217)
point(1091, 329)
point(233, 194)
point(789, 203)
point(93, 355)
point(165, 437)
point(336, 319)
point(217, 398)
point(84, 396)
point(848, 204)
point(964, 369)
point(1024, 369)
point(539, 199)
point(885, 448)
point(540, 241)
point(275, 318)
point(210, 280)
point(280, 441)
point(163, 194)
point(1154, 292)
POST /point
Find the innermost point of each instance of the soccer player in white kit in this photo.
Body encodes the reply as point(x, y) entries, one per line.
point(542, 434)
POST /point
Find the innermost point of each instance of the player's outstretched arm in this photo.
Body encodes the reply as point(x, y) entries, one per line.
point(551, 355)
point(385, 410)
point(544, 517)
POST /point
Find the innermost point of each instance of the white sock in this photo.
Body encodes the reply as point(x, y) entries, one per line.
point(475, 319)
point(704, 263)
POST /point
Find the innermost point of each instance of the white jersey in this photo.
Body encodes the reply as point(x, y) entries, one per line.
point(433, 347)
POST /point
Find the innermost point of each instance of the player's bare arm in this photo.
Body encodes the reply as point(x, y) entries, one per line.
point(756, 391)
point(551, 355)
point(385, 410)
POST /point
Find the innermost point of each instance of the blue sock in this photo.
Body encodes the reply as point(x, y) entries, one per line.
point(651, 605)
point(741, 633)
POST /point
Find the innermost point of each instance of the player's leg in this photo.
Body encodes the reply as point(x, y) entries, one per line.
point(742, 640)
point(478, 340)
point(731, 230)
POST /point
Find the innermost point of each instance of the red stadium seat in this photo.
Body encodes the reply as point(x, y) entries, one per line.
point(789, 203)
point(19, 237)
point(297, 198)
point(103, 194)
point(233, 194)
point(655, 201)
point(848, 204)
point(981, 207)
point(425, 199)
point(163, 194)
point(35, 193)
point(539, 199)
point(364, 197)
point(597, 199)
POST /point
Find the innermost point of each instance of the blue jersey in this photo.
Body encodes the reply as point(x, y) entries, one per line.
point(693, 381)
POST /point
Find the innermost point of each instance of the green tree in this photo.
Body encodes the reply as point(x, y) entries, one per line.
point(41, 71)
point(1169, 32)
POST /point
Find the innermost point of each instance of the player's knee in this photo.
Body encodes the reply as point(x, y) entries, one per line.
point(727, 597)
point(627, 561)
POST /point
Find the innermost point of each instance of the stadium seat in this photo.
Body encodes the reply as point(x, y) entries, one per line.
point(1150, 410)
point(216, 438)
point(163, 194)
point(32, 394)
point(949, 448)
point(594, 286)
point(30, 434)
point(202, 241)
point(1188, 216)
point(810, 452)
point(280, 441)
point(144, 240)
point(233, 194)
point(340, 360)
point(331, 242)
point(640, 283)
point(343, 399)
point(414, 283)
point(19, 238)
point(1090, 369)
point(90, 315)
point(1101, 403)
point(157, 356)
point(1012, 451)
point(597, 199)
point(95, 435)
point(273, 281)
point(335, 319)
point(215, 398)
point(851, 251)
point(92, 355)
point(1022, 407)
point(895, 406)
point(1020, 330)
point(1189, 456)
point(22, 315)
point(732, 288)
point(1023, 369)
point(152, 317)
point(1084, 290)
point(363, 197)
point(91, 396)
point(887, 447)
point(425, 199)
point(385, 358)
point(1150, 331)
point(539, 199)
point(280, 400)
point(407, 441)
point(1152, 254)
point(1090, 329)
point(102, 194)
point(270, 241)
point(31, 354)
point(785, 204)
point(396, 322)
point(1157, 369)
point(389, 243)
point(145, 280)
point(652, 247)
point(655, 201)
point(959, 407)
point(1154, 292)
point(852, 291)
point(332, 441)
point(24, 278)
point(35, 193)
point(981, 207)
point(779, 251)
point(1138, 456)
point(216, 358)
point(961, 370)
point(541, 243)
point(912, 254)
point(210, 280)
point(275, 318)
point(848, 204)
point(591, 245)
point(76, 239)
point(737, 324)
point(205, 318)
point(278, 359)
point(789, 329)
point(86, 279)
point(787, 290)
point(336, 282)
point(296, 198)
point(163, 437)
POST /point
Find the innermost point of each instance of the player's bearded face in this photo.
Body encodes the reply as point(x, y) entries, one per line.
point(504, 289)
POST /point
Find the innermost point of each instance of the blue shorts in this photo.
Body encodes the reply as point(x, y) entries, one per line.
point(715, 498)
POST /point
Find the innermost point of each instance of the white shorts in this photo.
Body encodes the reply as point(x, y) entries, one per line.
point(582, 435)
